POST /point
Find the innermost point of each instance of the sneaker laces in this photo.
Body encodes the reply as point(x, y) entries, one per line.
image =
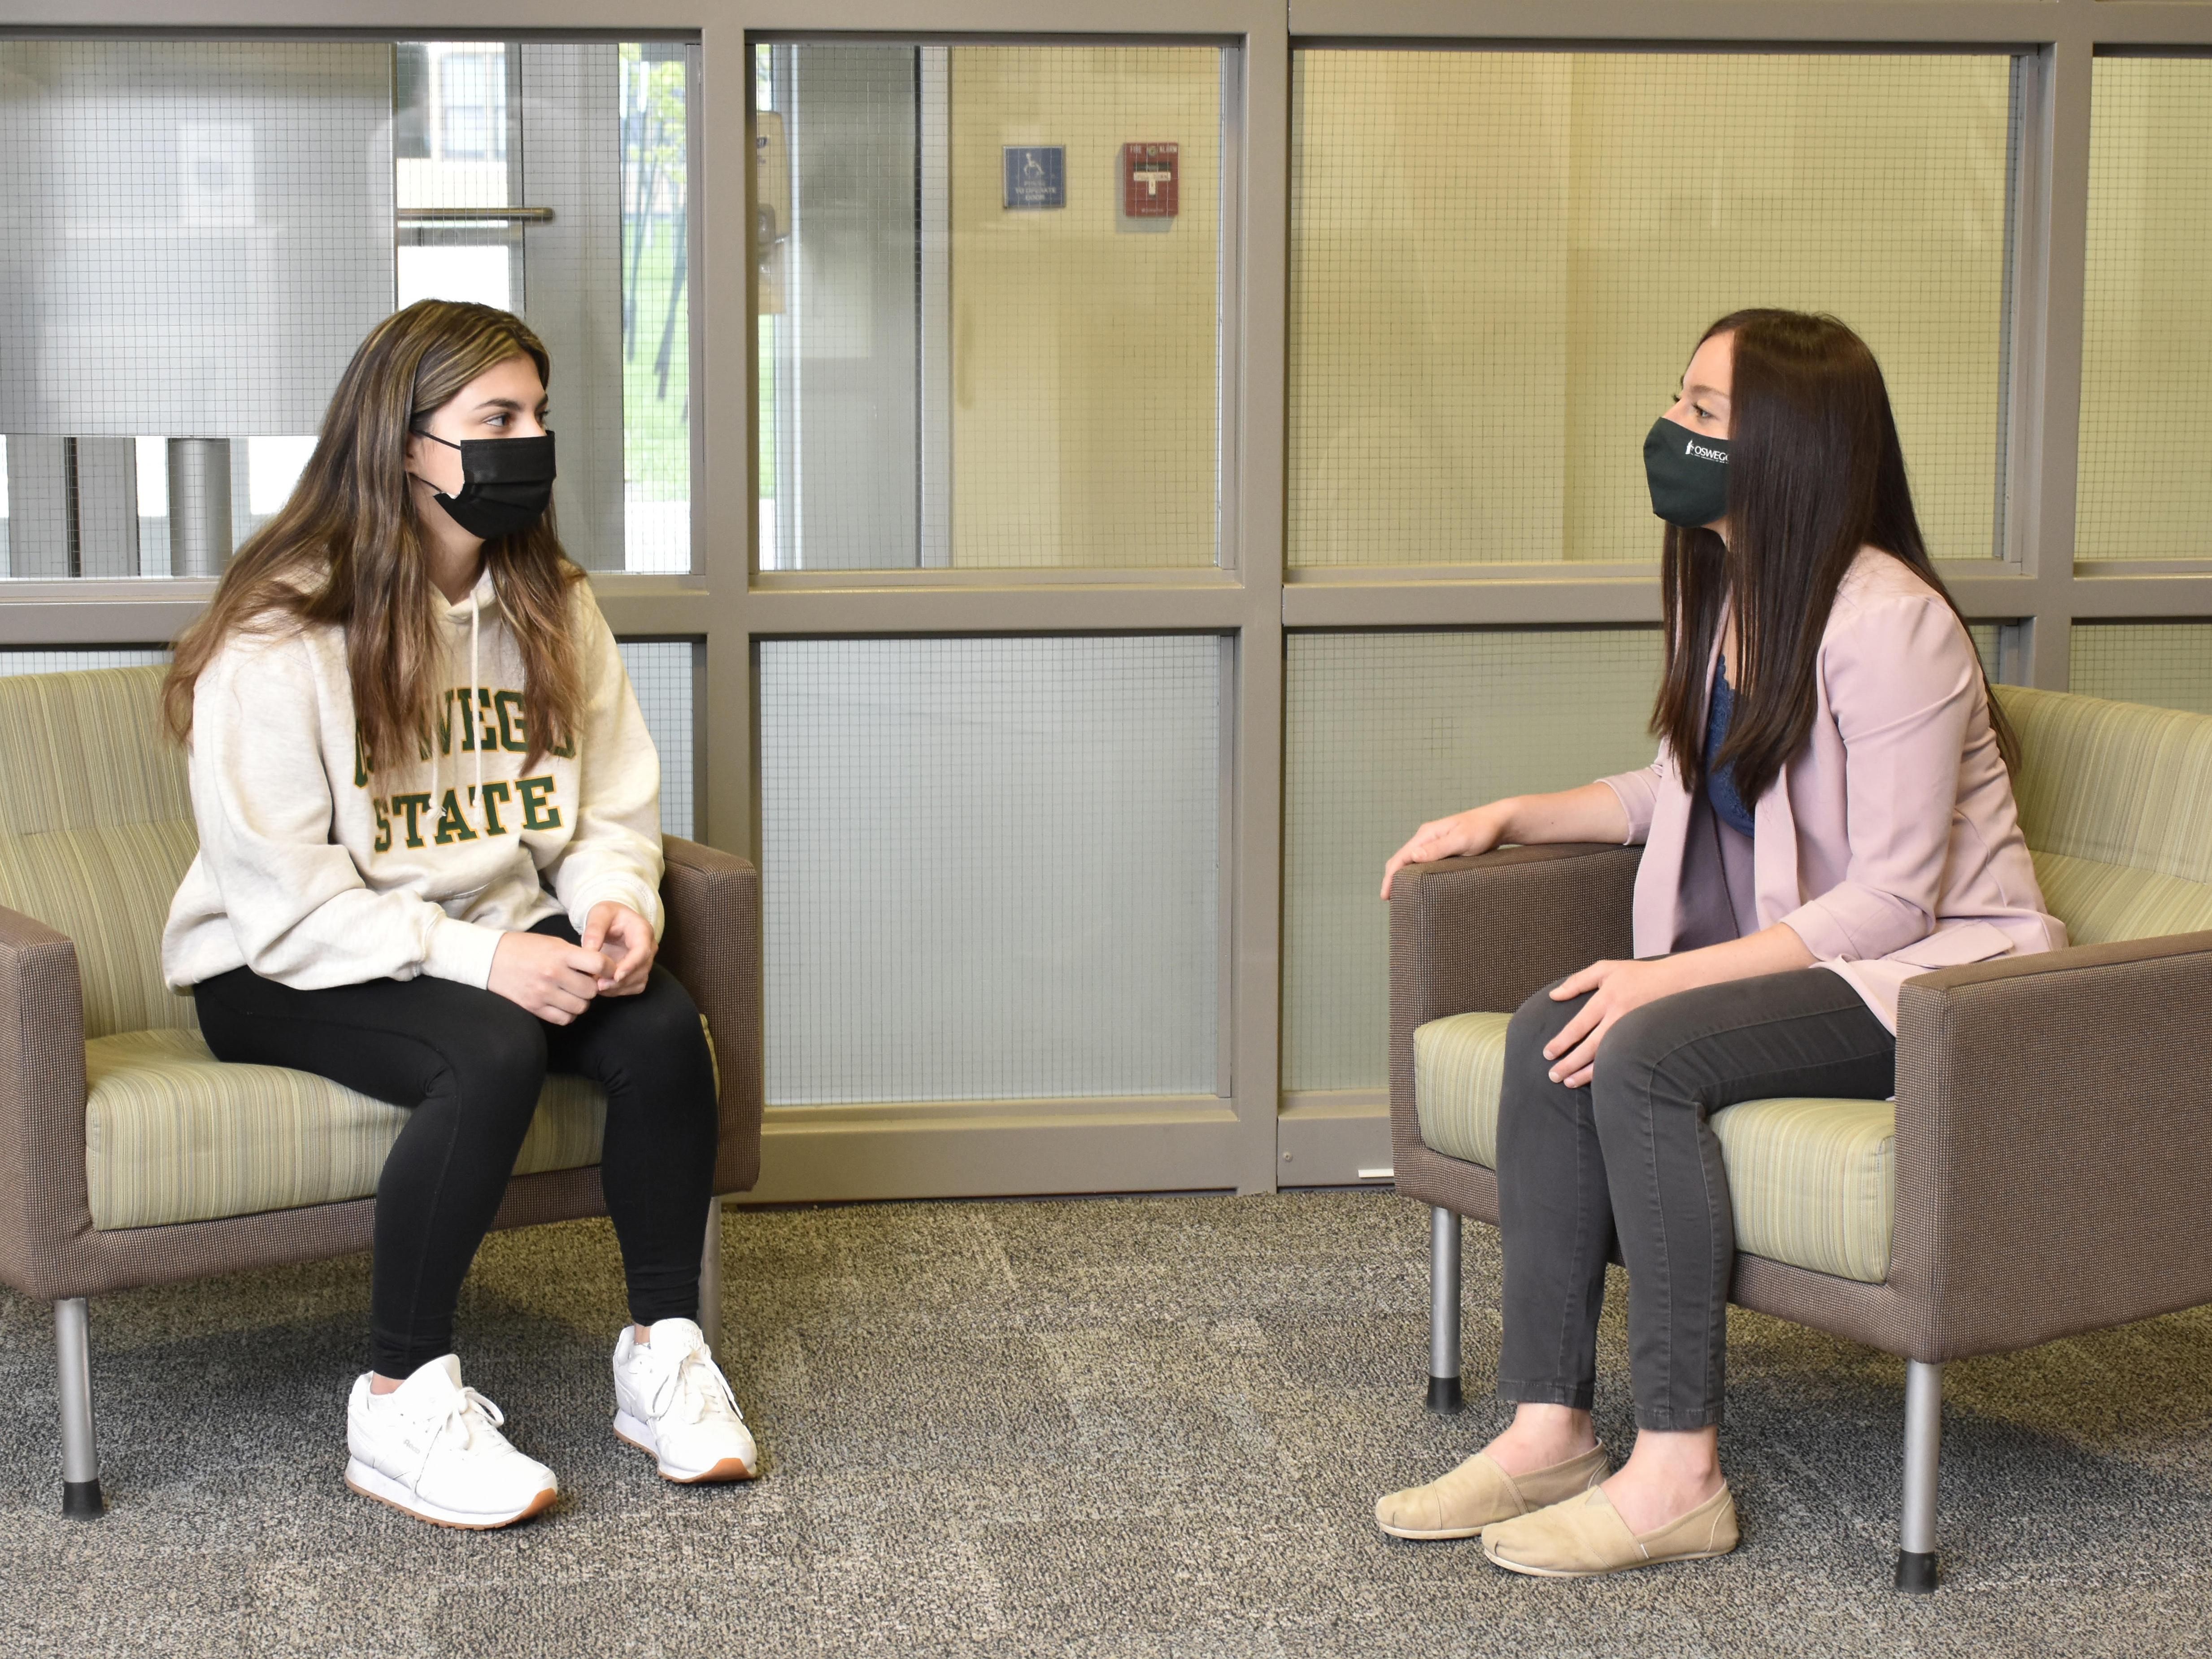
point(464, 1410)
point(684, 1380)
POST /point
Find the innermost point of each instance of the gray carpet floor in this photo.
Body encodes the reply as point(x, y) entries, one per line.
point(1133, 1426)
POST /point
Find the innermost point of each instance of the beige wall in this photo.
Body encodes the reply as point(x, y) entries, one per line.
point(1501, 261)
point(2146, 482)
point(1083, 364)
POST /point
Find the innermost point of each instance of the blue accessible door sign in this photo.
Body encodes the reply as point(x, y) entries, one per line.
point(1037, 176)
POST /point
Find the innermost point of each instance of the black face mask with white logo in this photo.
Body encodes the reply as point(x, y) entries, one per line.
point(507, 483)
point(1687, 472)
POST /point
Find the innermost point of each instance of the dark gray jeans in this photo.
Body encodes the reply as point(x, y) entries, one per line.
point(1632, 1156)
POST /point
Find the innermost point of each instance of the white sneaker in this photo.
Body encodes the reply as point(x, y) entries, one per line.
point(433, 1449)
point(671, 1399)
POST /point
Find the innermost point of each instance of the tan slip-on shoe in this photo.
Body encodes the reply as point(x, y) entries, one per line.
point(1463, 1503)
point(1585, 1536)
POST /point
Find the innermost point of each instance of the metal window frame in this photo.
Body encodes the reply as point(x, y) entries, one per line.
point(1255, 1139)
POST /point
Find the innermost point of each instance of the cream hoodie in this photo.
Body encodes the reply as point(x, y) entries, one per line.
point(314, 872)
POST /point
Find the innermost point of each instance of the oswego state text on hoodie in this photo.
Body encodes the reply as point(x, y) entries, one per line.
point(413, 868)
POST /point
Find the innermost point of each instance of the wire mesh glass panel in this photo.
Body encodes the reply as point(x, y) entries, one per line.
point(1988, 645)
point(1384, 731)
point(195, 235)
point(1501, 261)
point(991, 867)
point(2145, 490)
point(2168, 664)
point(68, 661)
point(660, 674)
point(990, 288)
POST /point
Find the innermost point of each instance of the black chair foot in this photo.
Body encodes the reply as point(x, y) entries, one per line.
point(1916, 1571)
point(82, 1498)
point(1444, 1395)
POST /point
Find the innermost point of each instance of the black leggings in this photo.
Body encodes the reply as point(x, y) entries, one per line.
point(1632, 1156)
point(470, 1064)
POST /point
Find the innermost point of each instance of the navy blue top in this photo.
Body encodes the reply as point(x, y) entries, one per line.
point(1720, 781)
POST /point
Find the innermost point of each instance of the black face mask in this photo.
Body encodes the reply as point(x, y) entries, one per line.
point(1689, 474)
point(507, 484)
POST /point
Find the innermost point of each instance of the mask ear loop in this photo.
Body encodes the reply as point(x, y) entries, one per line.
point(417, 432)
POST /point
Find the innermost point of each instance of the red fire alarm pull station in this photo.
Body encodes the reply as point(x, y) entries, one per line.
point(1148, 180)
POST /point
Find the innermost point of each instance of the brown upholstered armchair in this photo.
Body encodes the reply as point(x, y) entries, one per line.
point(2045, 1168)
point(129, 1156)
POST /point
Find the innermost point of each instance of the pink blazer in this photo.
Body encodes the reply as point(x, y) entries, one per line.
point(1891, 843)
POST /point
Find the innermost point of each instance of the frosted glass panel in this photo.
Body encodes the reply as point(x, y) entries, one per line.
point(1386, 731)
point(2145, 492)
point(660, 674)
point(990, 867)
point(2167, 664)
point(196, 235)
point(193, 235)
point(1501, 261)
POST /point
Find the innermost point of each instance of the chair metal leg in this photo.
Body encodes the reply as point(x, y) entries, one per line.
point(80, 1449)
point(710, 1277)
point(1443, 1309)
point(1924, 1441)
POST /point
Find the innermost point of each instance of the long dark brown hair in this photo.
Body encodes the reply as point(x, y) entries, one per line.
point(349, 549)
point(1816, 473)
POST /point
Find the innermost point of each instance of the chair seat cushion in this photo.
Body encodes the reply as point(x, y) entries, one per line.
point(1812, 1182)
point(172, 1134)
point(1459, 1067)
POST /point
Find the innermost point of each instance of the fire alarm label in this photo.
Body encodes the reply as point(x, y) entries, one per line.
point(1148, 180)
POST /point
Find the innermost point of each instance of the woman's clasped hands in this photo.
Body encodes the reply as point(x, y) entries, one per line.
point(556, 981)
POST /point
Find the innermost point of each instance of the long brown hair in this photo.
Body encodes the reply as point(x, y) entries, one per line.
point(349, 549)
point(1816, 473)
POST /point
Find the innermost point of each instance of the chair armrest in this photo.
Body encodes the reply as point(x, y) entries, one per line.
point(1484, 934)
point(43, 1196)
point(2054, 1143)
point(712, 945)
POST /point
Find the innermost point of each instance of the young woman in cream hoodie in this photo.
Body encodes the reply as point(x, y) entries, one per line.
point(430, 870)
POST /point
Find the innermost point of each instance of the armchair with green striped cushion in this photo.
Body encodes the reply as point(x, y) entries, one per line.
point(129, 1155)
point(2044, 1168)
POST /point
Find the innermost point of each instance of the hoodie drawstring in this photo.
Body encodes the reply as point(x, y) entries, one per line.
point(469, 694)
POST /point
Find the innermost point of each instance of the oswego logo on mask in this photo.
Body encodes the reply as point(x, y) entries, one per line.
point(1687, 473)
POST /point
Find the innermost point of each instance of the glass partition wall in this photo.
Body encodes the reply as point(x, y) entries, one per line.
point(1073, 502)
point(195, 234)
point(991, 319)
point(994, 307)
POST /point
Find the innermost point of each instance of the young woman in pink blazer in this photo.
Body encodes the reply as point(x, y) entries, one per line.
point(1831, 813)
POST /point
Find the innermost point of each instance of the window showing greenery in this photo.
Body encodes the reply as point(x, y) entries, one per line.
point(656, 307)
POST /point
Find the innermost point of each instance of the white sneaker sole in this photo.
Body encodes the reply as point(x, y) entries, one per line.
point(634, 1431)
point(374, 1483)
